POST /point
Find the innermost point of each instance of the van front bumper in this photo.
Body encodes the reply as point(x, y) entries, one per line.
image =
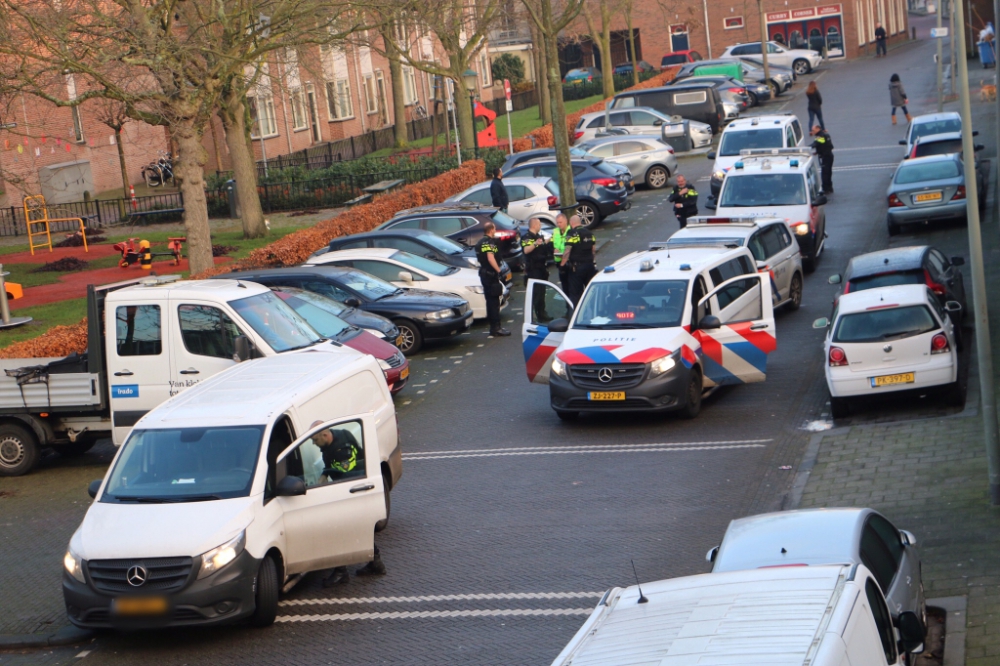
point(225, 596)
point(658, 394)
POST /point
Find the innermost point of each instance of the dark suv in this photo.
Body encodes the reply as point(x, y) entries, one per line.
point(601, 188)
point(574, 153)
point(691, 100)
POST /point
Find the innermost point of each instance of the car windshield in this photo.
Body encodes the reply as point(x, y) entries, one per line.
point(369, 286)
point(674, 59)
point(917, 173)
point(946, 147)
point(772, 189)
point(885, 324)
point(734, 142)
point(280, 326)
point(632, 304)
point(446, 245)
point(503, 221)
point(606, 168)
point(422, 264)
point(185, 465)
point(935, 127)
point(915, 276)
point(319, 311)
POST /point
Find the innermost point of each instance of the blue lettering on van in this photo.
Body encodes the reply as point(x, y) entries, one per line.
point(125, 391)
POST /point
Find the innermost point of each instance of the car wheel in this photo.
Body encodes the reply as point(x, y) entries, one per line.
point(809, 263)
point(801, 66)
point(692, 400)
point(77, 448)
point(589, 215)
point(753, 98)
point(18, 450)
point(412, 340)
point(775, 89)
point(567, 416)
point(382, 524)
point(893, 227)
point(657, 177)
point(839, 408)
point(795, 293)
point(266, 597)
point(955, 394)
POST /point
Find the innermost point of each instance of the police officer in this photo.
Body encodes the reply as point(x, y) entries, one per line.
point(558, 247)
point(823, 145)
point(578, 256)
point(487, 252)
point(537, 251)
point(685, 200)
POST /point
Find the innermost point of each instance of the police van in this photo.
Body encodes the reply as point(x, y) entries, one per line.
point(653, 332)
point(779, 182)
point(775, 131)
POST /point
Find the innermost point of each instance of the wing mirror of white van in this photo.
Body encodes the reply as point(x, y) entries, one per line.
point(820, 200)
point(711, 155)
point(290, 486)
point(709, 322)
point(241, 348)
point(560, 325)
point(822, 322)
point(834, 279)
point(911, 633)
point(908, 538)
point(406, 276)
point(902, 142)
point(953, 307)
point(711, 204)
point(711, 554)
point(94, 486)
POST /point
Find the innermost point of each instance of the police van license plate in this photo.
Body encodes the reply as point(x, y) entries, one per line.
point(606, 395)
point(889, 380)
point(139, 606)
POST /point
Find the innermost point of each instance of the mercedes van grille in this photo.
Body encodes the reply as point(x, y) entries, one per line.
point(163, 574)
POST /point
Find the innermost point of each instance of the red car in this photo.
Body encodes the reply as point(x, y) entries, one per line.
point(319, 312)
point(679, 58)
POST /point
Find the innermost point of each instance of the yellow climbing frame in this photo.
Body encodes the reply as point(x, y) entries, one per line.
point(36, 217)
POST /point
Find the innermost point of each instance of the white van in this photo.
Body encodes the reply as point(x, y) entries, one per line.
point(221, 496)
point(820, 616)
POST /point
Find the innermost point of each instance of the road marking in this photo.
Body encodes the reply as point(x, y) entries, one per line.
point(866, 167)
point(594, 448)
point(501, 596)
point(406, 615)
point(844, 150)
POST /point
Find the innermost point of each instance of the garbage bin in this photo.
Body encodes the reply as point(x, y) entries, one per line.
point(234, 204)
point(677, 135)
point(986, 55)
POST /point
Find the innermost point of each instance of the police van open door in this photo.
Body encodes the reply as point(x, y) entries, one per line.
point(735, 326)
point(543, 302)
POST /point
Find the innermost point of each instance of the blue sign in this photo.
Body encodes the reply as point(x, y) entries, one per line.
point(125, 391)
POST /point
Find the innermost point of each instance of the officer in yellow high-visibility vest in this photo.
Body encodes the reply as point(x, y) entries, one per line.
point(559, 246)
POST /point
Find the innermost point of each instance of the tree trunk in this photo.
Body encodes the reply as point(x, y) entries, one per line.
point(188, 171)
point(121, 160)
point(631, 40)
point(463, 111)
point(398, 96)
point(567, 191)
point(231, 113)
point(541, 77)
point(607, 65)
point(215, 146)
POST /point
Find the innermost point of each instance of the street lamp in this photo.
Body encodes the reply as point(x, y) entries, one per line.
point(471, 80)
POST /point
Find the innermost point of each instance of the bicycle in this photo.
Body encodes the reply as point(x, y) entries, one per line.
point(159, 172)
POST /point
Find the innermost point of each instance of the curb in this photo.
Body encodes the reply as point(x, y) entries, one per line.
point(67, 635)
point(954, 628)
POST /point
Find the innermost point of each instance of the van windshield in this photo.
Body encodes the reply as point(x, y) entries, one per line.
point(777, 189)
point(632, 304)
point(734, 142)
point(185, 465)
point(280, 326)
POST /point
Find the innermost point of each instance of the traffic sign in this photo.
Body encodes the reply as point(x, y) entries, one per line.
point(510, 105)
point(506, 88)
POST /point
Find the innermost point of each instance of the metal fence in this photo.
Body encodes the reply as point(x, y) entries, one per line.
point(96, 213)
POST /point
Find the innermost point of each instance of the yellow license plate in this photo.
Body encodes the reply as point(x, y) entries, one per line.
point(399, 340)
point(606, 395)
point(889, 380)
point(927, 196)
point(621, 183)
point(139, 606)
point(405, 373)
point(507, 276)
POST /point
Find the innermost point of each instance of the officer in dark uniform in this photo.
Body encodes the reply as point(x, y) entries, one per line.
point(579, 257)
point(487, 252)
point(685, 200)
point(537, 252)
point(823, 145)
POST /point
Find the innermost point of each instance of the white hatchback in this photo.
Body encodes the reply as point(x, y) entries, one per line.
point(529, 197)
point(412, 272)
point(890, 339)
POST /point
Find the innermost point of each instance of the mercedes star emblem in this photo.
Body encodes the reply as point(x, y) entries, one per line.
point(887, 348)
point(136, 576)
point(605, 375)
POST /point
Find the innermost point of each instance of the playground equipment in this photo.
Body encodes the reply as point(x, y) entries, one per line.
point(142, 253)
point(36, 217)
point(6, 321)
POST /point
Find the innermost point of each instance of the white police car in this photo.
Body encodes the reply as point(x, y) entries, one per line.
point(773, 131)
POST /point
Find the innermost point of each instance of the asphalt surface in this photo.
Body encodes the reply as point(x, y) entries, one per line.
point(509, 524)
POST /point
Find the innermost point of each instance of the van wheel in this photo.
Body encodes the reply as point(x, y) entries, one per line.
point(801, 66)
point(839, 408)
point(795, 293)
point(382, 524)
point(412, 339)
point(266, 597)
point(955, 394)
point(18, 450)
point(589, 215)
point(692, 401)
point(657, 177)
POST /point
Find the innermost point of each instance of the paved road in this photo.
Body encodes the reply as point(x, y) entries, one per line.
point(508, 523)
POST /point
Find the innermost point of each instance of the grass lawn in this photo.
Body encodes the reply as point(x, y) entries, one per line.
point(45, 317)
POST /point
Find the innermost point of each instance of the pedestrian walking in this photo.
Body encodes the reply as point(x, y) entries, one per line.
point(498, 192)
point(823, 145)
point(488, 252)
point(815, 105)
point(581, 246)
point(537, 251)
point(898, 97)
point(879, 41)
point(685, 200)
point(558, 246)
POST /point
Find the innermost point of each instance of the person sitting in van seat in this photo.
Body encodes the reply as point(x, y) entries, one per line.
point(341, 453)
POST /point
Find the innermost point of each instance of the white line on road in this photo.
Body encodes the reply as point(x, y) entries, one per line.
point(499, 596)
point(406, 615)
point(844, 150)
point(865, 167)
point(543, 451)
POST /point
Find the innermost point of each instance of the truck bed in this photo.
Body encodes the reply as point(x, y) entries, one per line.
point(66, 388)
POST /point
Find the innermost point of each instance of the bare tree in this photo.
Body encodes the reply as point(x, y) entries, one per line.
point(600, 34)
point(114, 114)
point(627, 8)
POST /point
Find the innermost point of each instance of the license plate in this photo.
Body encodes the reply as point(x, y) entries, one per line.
point(927, 196)
point(889, 380)
point(621, 183)
point(139, 606)
point(404, 373)
point(507, 276)
point(606, 395)
point(399, 340)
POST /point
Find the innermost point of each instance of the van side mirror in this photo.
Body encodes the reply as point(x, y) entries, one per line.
point(834, 279)
point(710, 555)
point(353, 302)
point(406, 276)
point(709, 322)
point(952, 307)
point(902, 142)
point(560, 325)
point(241, 348)
point(958, 261)
point(94, 486)
point(291, 486)
point(975, 132)
point(657, 122)
point(908, 538)
point(911, 632)
point(822, 322)
point(711, 204)
point(820, 200)
point(976, 148)
point(711, 155)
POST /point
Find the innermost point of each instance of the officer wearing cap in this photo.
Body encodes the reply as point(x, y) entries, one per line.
point(537, 251)
point(823, 145)
point(685, 200)
point(487, 251)
point(581, 246)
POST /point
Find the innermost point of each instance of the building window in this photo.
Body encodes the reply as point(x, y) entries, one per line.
point(262, 115)
point(77, 125)
point(409, 86)
point(338, 99)
point(299, 120)
point(485, 77)
point(371, 94)
point(733, 22)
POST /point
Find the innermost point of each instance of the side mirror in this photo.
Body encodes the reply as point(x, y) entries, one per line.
point(911, 632)
point(709, 322)
point(952, 307)
point(902, 142)
point(711, 155)
point(975, 132)
point(908, 538)
point(241, 348)
point(710, 555)
point(406, 276)
point(290, 486)
point(834, 279)
point(353, 302)
point(978, 147)
point(560, 325)
point(94, 486)
point(657, 122)
point(958, 261)
point(822, 322)
point(820, 200)
point(711, 204)
point(762, 266)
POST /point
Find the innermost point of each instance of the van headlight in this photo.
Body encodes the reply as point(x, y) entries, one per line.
point(661, 365)
point(440, 314)
point(801, 229)
point(73, 565)
point(719, 175)
point(219, 557)
point(476, 289)
point(559, 368)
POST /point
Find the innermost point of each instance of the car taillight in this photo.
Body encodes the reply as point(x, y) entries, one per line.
point(738, 91)
point(894, 201)
point(589, 78)
point(505, 235)
point(959, 194)
point(605, 182)
point(939, 344)
point(553, 201)
point(934, 286)
point(837, 357)
point(577, 135)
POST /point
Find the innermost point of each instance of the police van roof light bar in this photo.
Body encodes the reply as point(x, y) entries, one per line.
point(771, 152)
point(745, 221)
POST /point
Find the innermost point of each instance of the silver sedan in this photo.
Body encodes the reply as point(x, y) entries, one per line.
point(648, 159)
point(925, 189)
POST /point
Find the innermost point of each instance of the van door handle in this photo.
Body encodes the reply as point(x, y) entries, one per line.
point(190, 371)
point(532, 331)
point(124, 373)
point(361, 489)
point(757, 327)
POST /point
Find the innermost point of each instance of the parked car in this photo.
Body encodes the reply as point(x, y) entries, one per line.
point(787, 74)
point(925, 189)
point(694, 102)
point(536, 153)
point(781, 79)
point(648, 159)
point(932, 123)
point(639, 120)
point(890, 339)
point(920, 264)
point(379, 326)
point(529, 197)
point(803, 61)
point(416, 241)
point(420, 315)
point(582, 75)
point(601, 188)
point(771, 131)
point(679, 57)
point(814, 537)
point(463, 223)
point(625, 69)
point(321, 313)
point(730, 90)
point(409, 270)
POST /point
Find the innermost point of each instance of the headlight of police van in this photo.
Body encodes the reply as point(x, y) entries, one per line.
point(719, 175)
point(73, 565)
point(440, 314)
point(476, 289)
point(558, 368)
point(801, 229)
point(219, 557)
point(661, 365)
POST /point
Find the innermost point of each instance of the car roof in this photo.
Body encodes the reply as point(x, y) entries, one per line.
point(943, 136)
point(448, 207)
point(767, 163)
point(383, 233)
point(357, 253)
point(759, 122)
point(805, 536)
point(576, 161)
point(515, 180)
point(881, 297)
point(676, 264)
point(615, 138)
point(703, 227)
point(594, 114)
point(934, 117)
point(223, 288)
point(946, 157)
point(292, 271)
point(886, 261)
